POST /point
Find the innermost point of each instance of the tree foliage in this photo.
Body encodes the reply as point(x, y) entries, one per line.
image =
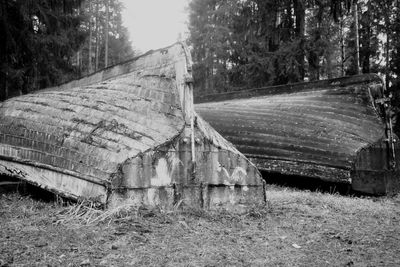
point(247, 43)
point(45, 42)
point(118, 44)
point(38, 44)
point(252, 43)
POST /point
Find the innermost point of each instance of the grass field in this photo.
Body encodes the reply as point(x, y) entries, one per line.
point(294, 228)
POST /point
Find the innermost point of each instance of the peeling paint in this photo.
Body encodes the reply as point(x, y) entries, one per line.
point(151, 196)
point(238, 175)
point(163, 176)
point(173, 162)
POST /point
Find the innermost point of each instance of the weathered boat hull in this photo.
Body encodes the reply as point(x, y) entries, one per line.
point(334, 130)
point(127, 134)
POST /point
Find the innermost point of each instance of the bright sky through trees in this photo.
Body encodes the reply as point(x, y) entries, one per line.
point(155, 24)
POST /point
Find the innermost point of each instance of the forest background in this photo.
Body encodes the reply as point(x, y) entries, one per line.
point(236, 44)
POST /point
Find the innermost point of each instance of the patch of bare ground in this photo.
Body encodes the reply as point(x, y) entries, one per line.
point(294, 228)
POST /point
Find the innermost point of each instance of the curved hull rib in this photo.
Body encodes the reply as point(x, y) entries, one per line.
point(333, 130)
point(127, 134)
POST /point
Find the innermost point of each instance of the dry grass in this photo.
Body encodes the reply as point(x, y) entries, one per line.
point(295, 228)
point(86, 214)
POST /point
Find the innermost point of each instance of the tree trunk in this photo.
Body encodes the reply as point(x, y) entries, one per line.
point(387, 67)
point(35, 76)
point(289, 22)
point(357, 37)
point(90, 67)
point(328, 57)
point(300, 13)
point(106, 34)
point(96, 66)
point(388, 38)
point(78, 53)
point(78, 61)
point(342, 51)
point(367, 42)
point(4, 56)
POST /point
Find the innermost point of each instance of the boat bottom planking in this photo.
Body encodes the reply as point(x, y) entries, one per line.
point(335, 130)
point(126, 135)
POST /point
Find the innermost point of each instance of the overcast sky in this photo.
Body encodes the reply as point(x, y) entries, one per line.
point(155, 24)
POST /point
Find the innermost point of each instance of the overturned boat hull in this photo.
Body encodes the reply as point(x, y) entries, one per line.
point(127, 134)
point(336, 130)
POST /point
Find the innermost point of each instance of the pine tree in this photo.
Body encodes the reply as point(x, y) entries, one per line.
point(47, 42)
point(39, 42)
point(108, 36)
point(251, 43)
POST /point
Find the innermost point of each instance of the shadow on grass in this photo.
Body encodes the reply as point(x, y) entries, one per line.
point(14, 185)
point(308, 183)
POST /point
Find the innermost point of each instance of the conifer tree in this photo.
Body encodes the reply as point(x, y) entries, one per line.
point(39, 42)
point(47, 42)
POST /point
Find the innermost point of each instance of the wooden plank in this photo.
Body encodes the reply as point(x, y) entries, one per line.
point(315, 129)
point(305, 168)
point(127, 134)
point(61, 183)
point(291, 88)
